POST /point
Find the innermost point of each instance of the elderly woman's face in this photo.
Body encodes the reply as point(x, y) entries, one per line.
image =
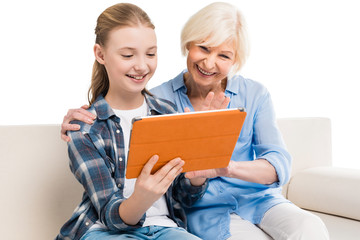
point(209, 65)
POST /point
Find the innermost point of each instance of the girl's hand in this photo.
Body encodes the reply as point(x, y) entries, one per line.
point(75, 114)
point(149, 188)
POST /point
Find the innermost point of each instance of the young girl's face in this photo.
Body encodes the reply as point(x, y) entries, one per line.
point(130, 58)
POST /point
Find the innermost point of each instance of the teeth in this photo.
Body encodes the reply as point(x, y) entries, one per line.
point(204, 72)
point(136, 77)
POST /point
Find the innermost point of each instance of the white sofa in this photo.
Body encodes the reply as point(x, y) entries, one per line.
point(39, 193)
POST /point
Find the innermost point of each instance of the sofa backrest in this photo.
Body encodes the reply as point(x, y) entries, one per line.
point(39, 192)
point(308, 140)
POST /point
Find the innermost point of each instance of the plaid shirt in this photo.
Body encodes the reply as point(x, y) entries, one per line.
point(97, 156)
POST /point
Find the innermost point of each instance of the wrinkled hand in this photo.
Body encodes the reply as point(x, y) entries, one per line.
point(150, 187)
point(210, 173)
point(213, 102)
point(75, 114)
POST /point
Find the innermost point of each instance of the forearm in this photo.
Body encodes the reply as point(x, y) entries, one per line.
point(257, 171)
point(132, 209)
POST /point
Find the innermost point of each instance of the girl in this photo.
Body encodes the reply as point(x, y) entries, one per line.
point(114, 207)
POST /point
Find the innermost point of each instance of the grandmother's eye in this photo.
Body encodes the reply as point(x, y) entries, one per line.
point(204, 48)
point(225, 56)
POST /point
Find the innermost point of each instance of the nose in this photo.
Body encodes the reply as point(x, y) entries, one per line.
point(210, 61)
point(140, 64)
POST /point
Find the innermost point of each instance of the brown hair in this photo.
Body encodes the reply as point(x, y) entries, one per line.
point(116, 16)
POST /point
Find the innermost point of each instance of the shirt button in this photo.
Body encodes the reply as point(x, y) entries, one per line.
point(119, 185)
point(87, 223)
point(120, 159)
point(117, 131)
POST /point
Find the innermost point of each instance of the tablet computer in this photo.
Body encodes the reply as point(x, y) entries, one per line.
point(204, 139)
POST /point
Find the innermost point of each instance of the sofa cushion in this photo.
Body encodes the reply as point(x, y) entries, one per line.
point(340, 228)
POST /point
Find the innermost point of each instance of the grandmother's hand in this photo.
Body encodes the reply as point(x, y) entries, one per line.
point(213, 102)
point(210, 173)
point(80, 114)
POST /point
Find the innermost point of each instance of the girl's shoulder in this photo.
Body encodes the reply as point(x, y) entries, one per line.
point(166, 90)
point(161, 105)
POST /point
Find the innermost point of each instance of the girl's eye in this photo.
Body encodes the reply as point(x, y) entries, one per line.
point(126, 56)
point(151, 54)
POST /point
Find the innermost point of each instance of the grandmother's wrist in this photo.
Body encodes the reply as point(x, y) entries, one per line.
point(230, 169)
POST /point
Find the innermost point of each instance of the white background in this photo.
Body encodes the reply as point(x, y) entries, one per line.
point(307, 53)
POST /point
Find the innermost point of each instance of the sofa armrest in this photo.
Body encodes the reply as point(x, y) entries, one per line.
point(328, 190)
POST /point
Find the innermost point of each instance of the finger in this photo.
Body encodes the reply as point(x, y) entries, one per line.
point(85, 106)
point(196, 174)
point(190, 175)
point(225, 103)
point(176, 170)
point(171, 167)
point(81, 116)
point(146, 171)
point(187, 110)
point(218, 100)
point(65, 137)
point(69, 116)
point(208, 100)
point(69, 127)
point(84, 111)
point(166, 184)
point(174, 173)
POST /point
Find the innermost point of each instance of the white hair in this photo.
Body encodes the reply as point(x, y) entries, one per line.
point(215, 24)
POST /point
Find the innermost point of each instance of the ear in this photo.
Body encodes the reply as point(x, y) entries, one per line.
point(99, 54)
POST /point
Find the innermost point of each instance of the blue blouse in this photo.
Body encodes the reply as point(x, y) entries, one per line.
point(260, 137)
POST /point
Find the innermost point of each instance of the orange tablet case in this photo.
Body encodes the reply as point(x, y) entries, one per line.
point(204, 140)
